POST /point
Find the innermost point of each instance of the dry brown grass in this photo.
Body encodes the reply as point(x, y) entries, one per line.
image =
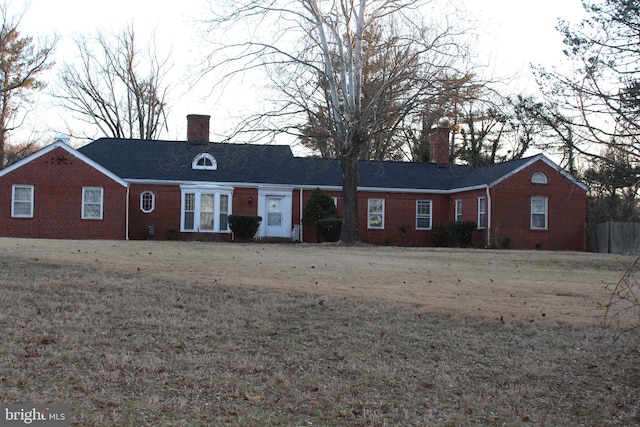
point(175, 333)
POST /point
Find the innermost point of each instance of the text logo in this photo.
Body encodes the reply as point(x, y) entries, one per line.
point(34, 415)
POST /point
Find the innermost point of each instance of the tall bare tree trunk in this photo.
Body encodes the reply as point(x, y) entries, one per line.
point(349, 164)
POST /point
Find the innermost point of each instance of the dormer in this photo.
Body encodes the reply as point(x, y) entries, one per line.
point(204, 161)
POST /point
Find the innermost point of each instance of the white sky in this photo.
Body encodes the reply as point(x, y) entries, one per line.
point(513, 35)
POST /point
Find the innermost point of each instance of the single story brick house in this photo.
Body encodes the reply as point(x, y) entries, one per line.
point(138, 189)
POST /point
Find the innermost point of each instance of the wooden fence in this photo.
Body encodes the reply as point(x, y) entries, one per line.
point(614, 238)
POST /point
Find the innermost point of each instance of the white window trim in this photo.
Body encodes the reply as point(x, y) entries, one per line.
point(213, 166)
point(84, 189)
point(369, 213)
point(539, 178)
point(482, 226)
point(198, 191)
point(153, 201)
point(13, 201)
point(546, 212)
point(428, 215)
point(458, 210)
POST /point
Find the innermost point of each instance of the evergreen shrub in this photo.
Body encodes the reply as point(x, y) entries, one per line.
point(244, 226)
point(329, 229)
point(461, 232)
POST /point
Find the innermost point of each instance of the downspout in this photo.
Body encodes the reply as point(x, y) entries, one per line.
point(300, 216)
point(488, 193)
point(126, 227)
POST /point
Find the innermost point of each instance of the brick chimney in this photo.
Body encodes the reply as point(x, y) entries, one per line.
point(439, 144)
point(198, 128)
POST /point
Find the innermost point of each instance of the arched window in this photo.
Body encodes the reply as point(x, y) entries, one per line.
point(147, 201)
point(539, 178)
point(204, 161)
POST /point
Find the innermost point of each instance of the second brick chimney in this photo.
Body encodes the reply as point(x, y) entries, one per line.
point(439, 145)
point(198, 128)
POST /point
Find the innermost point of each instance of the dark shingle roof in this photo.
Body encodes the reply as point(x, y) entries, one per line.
point(275, 164)
point(171, 160)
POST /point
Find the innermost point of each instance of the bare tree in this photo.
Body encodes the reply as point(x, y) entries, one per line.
point(21, 63)
point(115, 87)
point(543, 125)
point(600, 95)
point(314, 52)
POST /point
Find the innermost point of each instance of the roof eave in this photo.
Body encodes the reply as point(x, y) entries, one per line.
point(49, 148)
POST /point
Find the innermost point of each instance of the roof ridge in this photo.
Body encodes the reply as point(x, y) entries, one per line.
point(168, 141)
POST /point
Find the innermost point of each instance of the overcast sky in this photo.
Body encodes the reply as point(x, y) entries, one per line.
point(512, 33)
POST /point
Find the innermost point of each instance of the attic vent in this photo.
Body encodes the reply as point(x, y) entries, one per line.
point(539, 178)
point(204, 161)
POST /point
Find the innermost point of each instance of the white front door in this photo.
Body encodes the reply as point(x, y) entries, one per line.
point(274, 224)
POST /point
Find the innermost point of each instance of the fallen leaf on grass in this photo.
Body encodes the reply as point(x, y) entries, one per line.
point(242, 395)
point(29, 353)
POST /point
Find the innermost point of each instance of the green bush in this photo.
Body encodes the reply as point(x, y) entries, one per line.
point(319, 206)
point(329, 229)
point(438, 236)
point(506, 243)
point(461, 232)
point(244, 226)
point(322, 212)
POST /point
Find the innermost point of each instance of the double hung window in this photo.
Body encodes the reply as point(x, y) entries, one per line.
point(539, 213)
point(482, 212)
point(92, 202)
point(375, 217)
point(423, 214)
point(22, 201)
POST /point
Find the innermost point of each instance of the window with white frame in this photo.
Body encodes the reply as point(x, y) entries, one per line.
point(539, 178)
point(147, 201)
point(224, 212)
point(482, 212)
point(458, 208)
point(204, 161)
point(22, 201)
point(92, 202)
point(539, 213)
point(376, 213)
point(423, 214)
point(207, 202)
point(188, 211)
point(205, 210)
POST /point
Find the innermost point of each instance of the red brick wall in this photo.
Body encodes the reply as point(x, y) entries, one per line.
point(58, 178)
point(511, 207)
point(165, 218)
point(469, 213)
point(241, 204)
point(400, 218)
